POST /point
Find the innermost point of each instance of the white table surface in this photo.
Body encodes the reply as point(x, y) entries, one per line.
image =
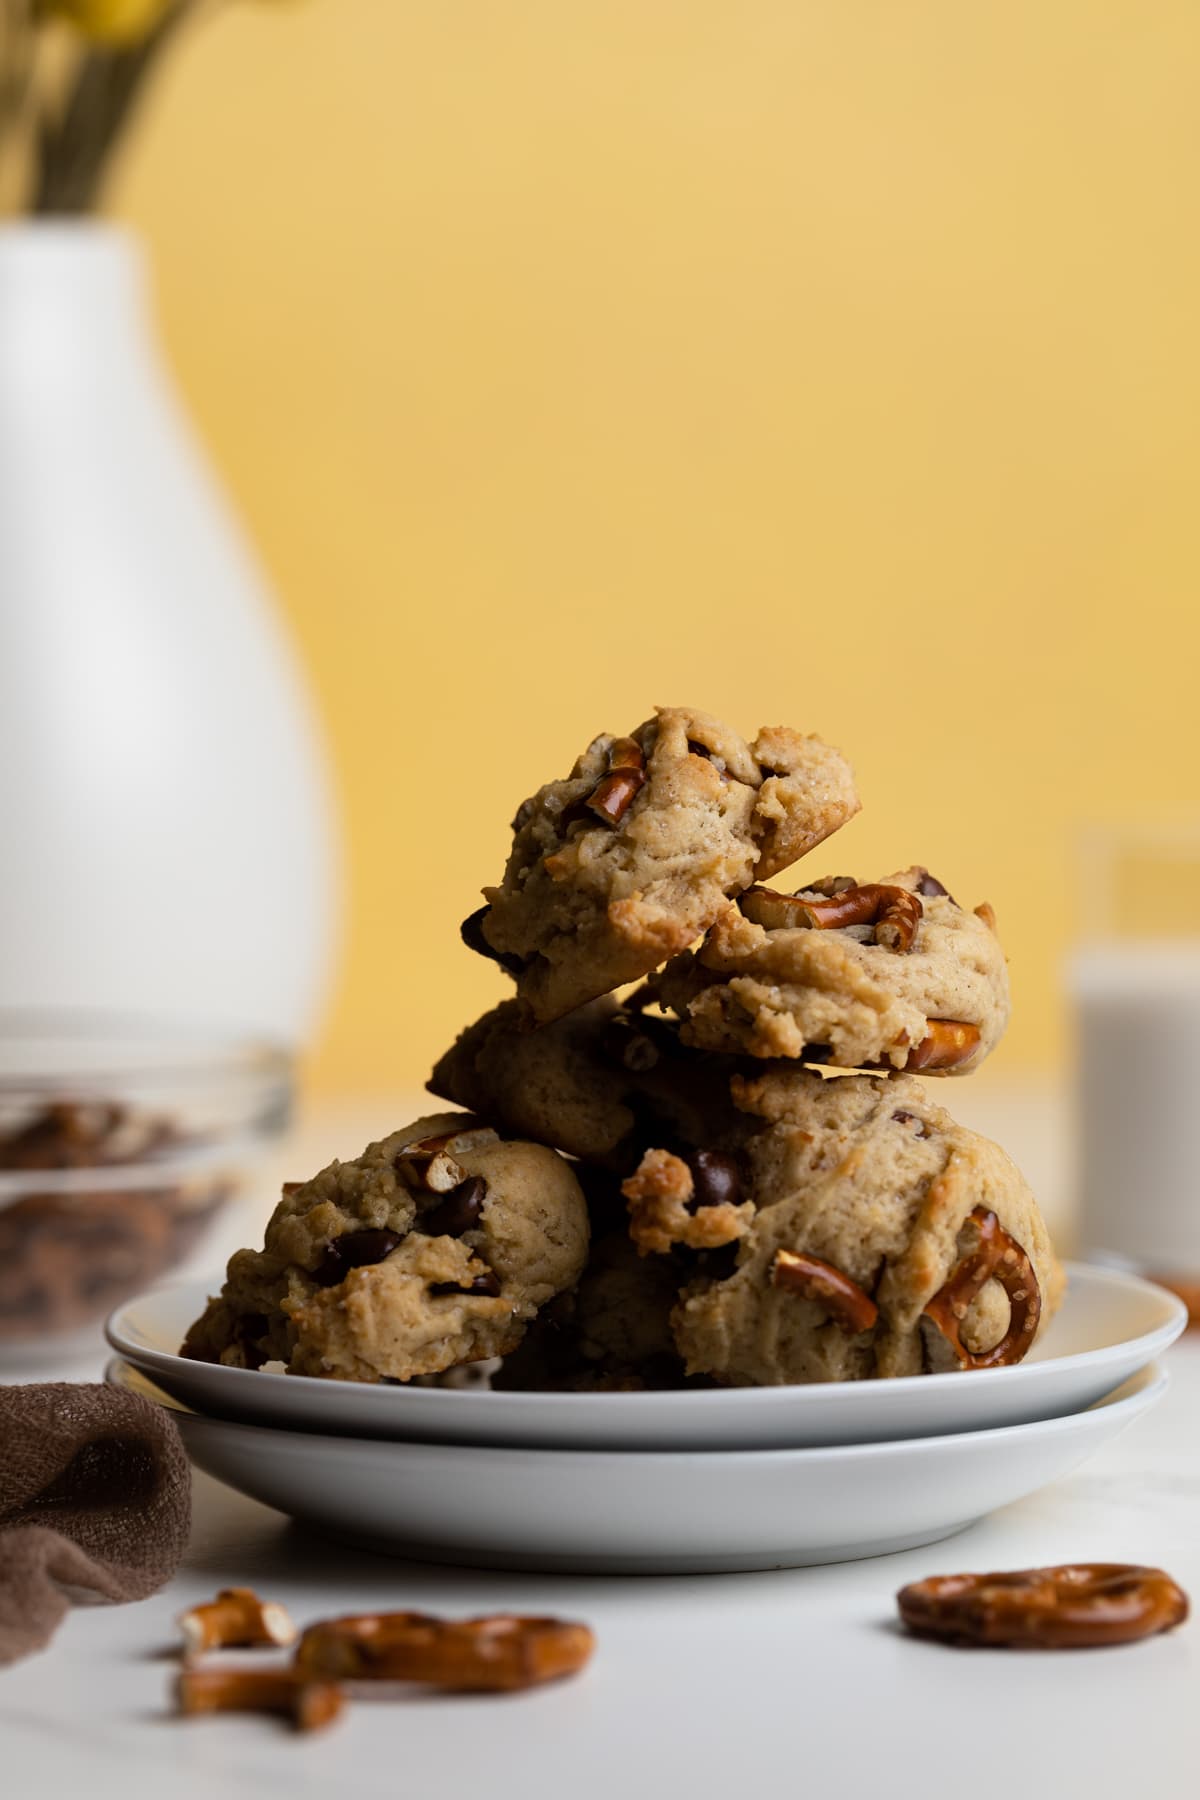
point(798, 1680)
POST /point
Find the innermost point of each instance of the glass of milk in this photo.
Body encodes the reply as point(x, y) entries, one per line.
point(1134, 982)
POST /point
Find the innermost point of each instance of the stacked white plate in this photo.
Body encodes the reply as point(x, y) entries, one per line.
point(746, 1478)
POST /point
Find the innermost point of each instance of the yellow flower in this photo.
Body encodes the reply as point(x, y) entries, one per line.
point(115, 22)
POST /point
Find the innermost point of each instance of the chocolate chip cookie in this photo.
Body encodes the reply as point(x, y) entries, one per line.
point(433, 1248)
point(894, 973)
point(874, 1237)
point(628, 859)
point(601, 1084)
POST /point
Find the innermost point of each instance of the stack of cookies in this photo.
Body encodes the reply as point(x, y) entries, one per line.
point(732, 1171)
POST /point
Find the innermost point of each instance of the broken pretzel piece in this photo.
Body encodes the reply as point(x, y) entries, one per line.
point(354, 1250)
point(310, 1702)
point(670, 1203)
point(430, 1163)
point(236, 1620)
point(499, 1653)
point(947, 1042)
point(615, 792)
point(895, 912)
point(997, 1257)
point(813, 1279)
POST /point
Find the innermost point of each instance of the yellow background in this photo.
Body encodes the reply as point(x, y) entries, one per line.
point(830, 363)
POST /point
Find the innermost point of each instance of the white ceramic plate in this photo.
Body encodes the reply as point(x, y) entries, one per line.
point(631, 1512)
point(1109, 1326)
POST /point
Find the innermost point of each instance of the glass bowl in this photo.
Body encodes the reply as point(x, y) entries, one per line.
point(120, 1141)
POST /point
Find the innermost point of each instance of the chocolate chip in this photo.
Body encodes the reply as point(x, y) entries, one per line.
point(715, 1179)
point(930, 885)
point(639, 1054)
point(715, 1265)
point(487, 1283)
point(661, 1371)
point(249, 1328)
point(906, 1118)
point(353, 1250)
point(471, 932)
point(578, 813)
point(624, 1043)
point(458, 1211)
point(710, 756)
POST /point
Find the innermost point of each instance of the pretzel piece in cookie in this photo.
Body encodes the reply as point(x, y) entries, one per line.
point(497, 1653)
point(696, 1203)
point(996, 1257)
point(947, 1043)
point(895, 912)
point(1070, 1607)
point(813, 1279)
point(616, 791)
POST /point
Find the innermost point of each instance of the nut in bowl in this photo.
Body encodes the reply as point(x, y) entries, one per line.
point(120, 1141)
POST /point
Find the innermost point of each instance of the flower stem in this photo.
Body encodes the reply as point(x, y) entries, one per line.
point(74, 153)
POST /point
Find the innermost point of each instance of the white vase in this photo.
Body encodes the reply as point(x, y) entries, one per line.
point(166, 831)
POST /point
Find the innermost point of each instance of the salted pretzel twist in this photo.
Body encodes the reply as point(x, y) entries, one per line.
point(1070, 1607)
point(996, 1257)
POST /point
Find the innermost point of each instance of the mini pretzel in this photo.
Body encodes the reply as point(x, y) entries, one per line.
point(997, 1257)
point(1071, 1607)
point(895, 912)
point(815, 1280)
point(501, 1652)
point(309, 1702)
point(947, 1043)
point(236, 1619)
point(660, 1195)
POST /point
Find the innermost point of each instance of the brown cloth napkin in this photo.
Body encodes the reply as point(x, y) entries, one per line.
point(95, 1493)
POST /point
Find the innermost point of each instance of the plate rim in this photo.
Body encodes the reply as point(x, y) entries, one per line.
point(697, 1401)
point(1153, 1380)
